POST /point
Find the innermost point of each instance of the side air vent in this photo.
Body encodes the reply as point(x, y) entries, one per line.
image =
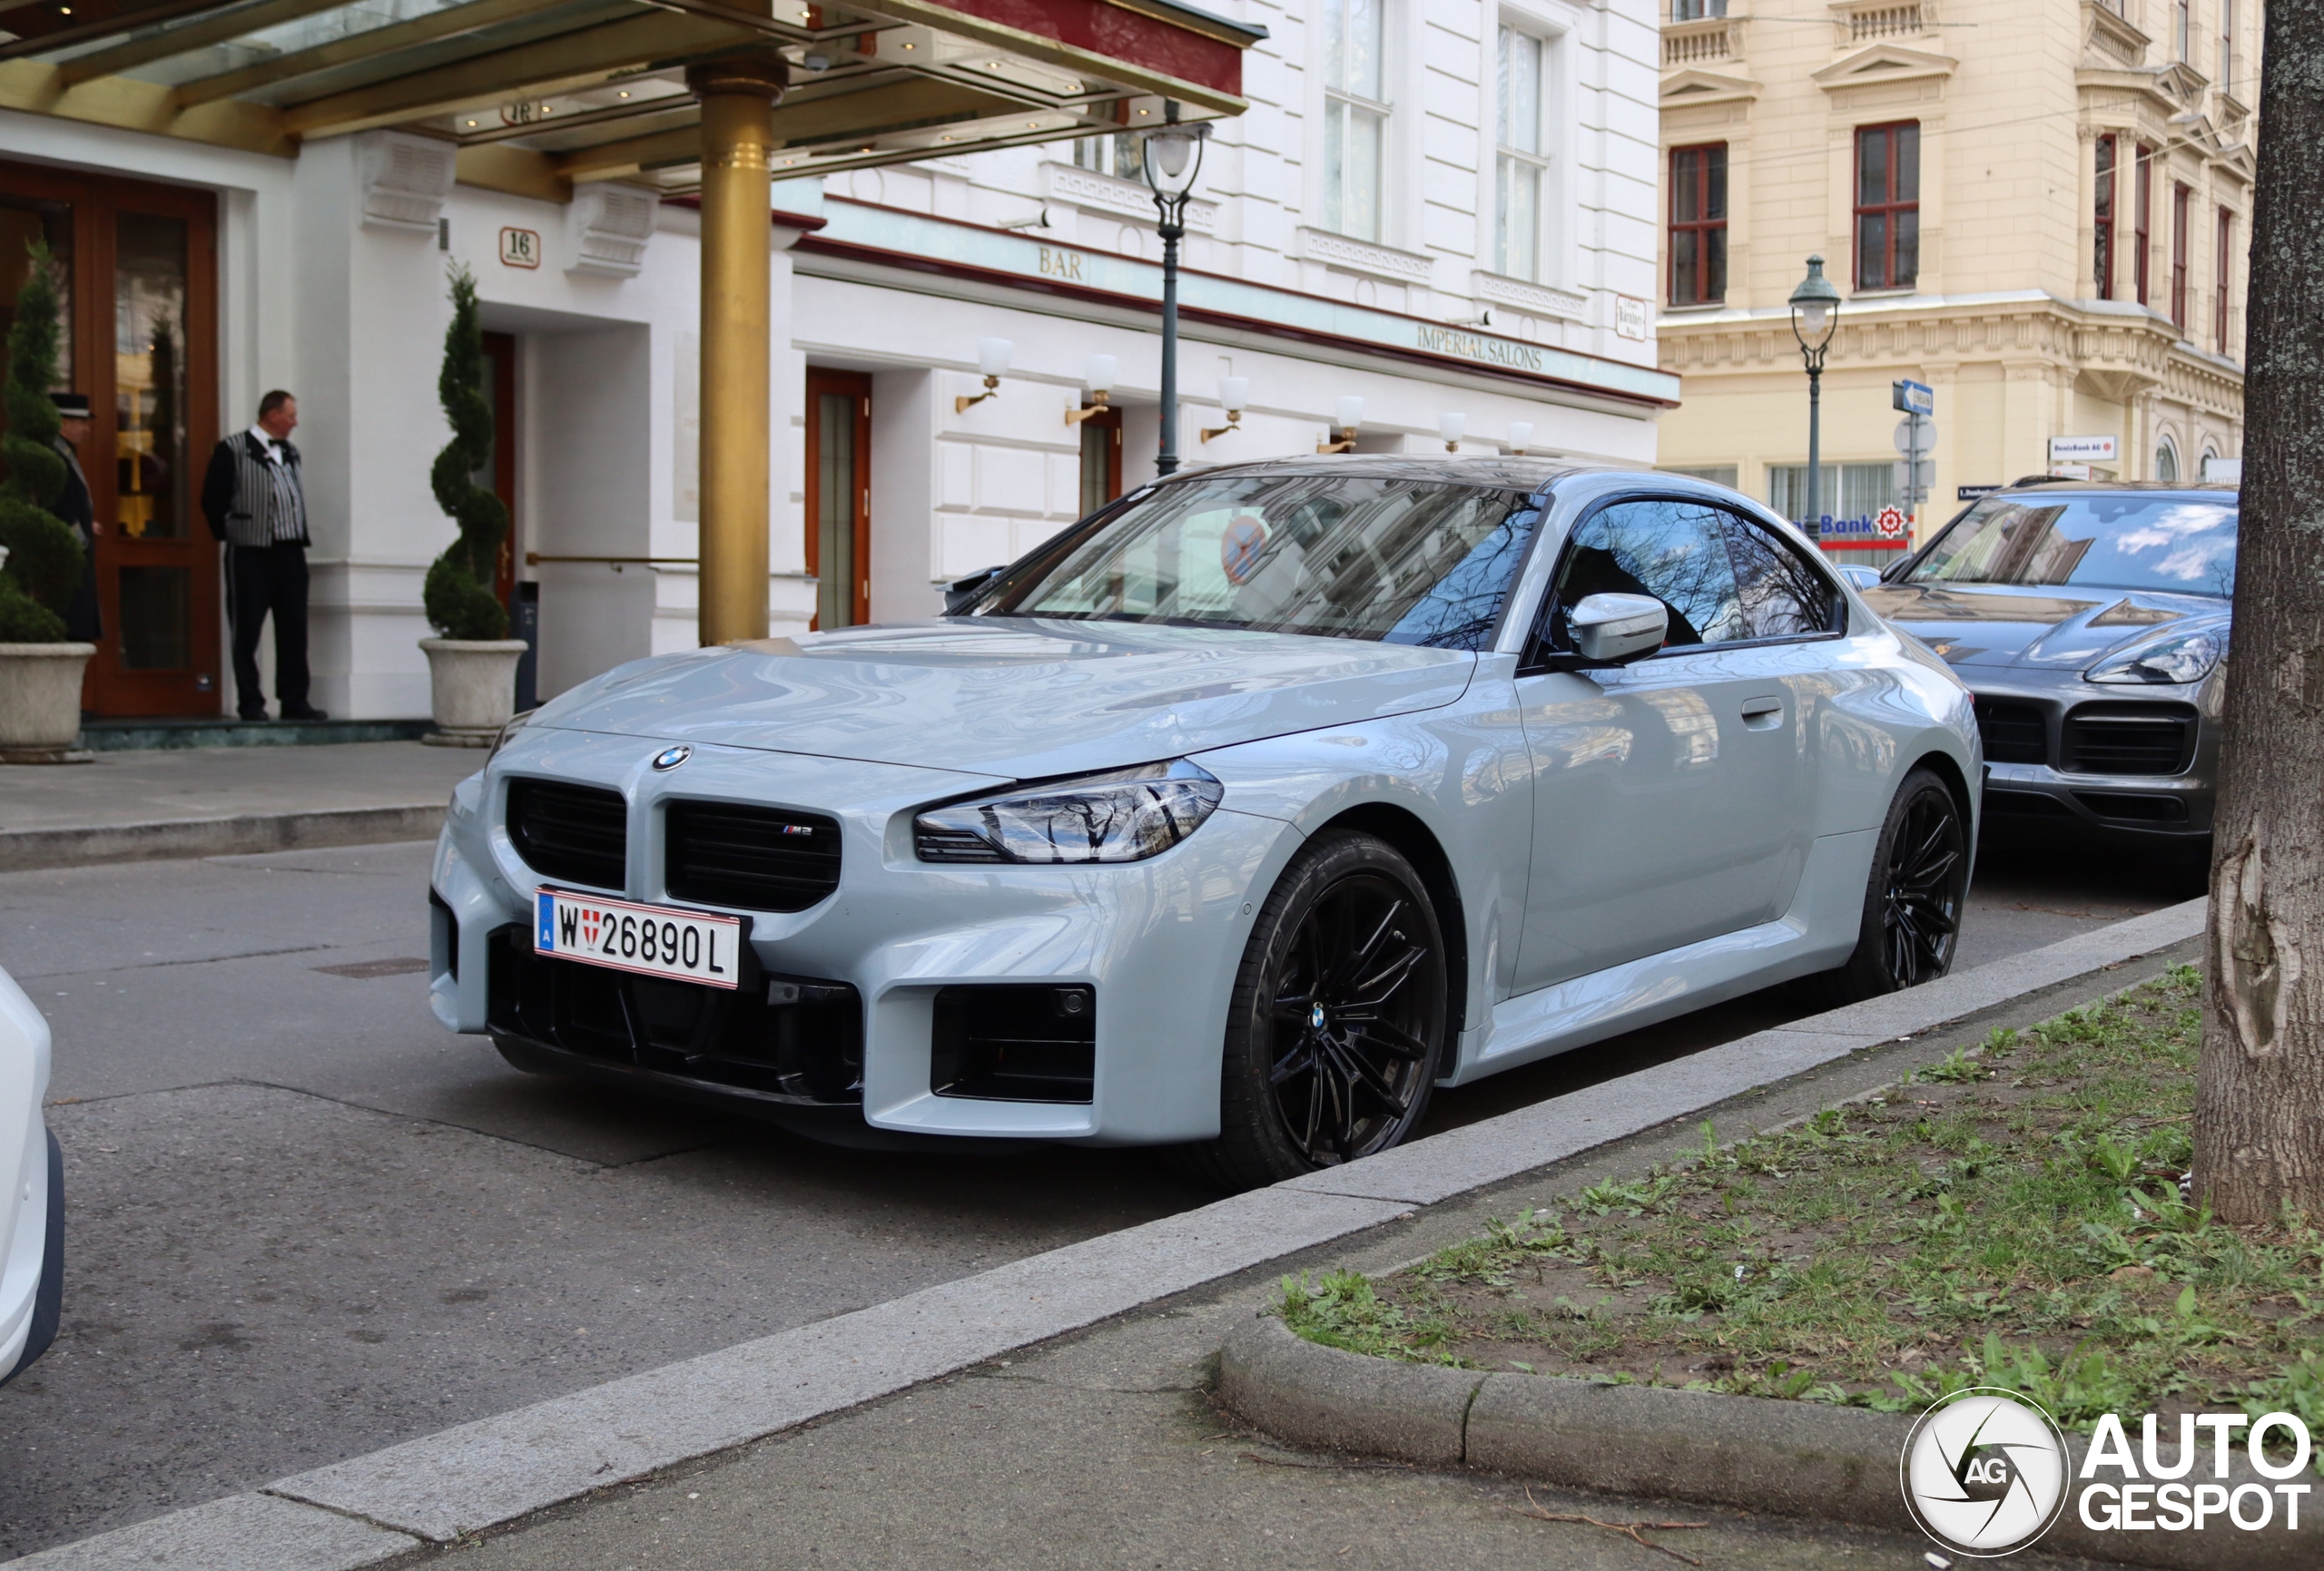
point(2012, 732)
point(754, 859)
point(570, 833)
point(1009, 1043)
point(2128, 738)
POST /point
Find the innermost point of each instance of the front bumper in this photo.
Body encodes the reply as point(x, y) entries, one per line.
point(2133, 765)
point(1152, 947)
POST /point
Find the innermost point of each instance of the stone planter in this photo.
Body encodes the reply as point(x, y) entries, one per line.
point(40, 702)
point(474, 686)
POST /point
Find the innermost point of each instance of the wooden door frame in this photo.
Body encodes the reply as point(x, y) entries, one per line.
point(1108, 419)
point(96, 201)
point(857, 386)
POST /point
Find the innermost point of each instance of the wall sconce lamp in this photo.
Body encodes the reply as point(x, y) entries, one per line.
point(1351, 415)
point(1232, 393)
point(992, 360)
point(1452, 428)
point(1098, 375)
point(1521, 433)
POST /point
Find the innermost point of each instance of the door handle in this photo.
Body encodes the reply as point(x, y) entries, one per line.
point(1762, 713)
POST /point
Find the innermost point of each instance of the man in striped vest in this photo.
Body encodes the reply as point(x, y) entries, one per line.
point(252, 499)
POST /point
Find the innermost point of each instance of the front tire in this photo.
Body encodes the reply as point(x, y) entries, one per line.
point(1335, 1033)
point(1911, 927)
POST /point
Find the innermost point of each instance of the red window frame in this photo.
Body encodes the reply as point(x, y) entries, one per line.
point(2102, 218)
point(2181, 198)
point(1888, 173)
point(2226, 277)
point(1699, 171)
point(2141, 220)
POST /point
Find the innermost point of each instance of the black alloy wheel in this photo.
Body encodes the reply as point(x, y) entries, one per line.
point(1921, 910)
point(1351, 1019)
point(1336, 1035)
point(1911, 925)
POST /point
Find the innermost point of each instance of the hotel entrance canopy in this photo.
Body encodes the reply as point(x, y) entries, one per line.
point(541, 94)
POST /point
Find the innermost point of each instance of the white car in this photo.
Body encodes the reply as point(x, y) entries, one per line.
point(1234, 818)
point(32, 1208)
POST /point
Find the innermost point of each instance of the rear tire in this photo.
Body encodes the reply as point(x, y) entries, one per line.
point(1912, 902)
point(1336, 1030)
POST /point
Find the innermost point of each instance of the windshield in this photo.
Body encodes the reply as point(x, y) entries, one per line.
point(2182, 544)
point(1395, 560)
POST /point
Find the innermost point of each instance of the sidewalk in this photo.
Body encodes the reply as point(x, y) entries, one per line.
point(1052, 1411)
point(1103, 1449)
point(129, 806)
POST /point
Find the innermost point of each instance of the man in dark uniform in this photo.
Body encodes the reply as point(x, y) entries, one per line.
point(83, 625)
point(255, 503)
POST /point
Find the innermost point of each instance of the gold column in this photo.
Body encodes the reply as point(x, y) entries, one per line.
point(738, 97)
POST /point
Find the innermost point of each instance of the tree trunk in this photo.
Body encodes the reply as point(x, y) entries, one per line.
point(2259, 1106)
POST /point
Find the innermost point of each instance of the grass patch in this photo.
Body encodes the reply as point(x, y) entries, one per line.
point(2012, 1215)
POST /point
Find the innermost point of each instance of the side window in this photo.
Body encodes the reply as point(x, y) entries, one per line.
point(1783, 595)
point(1674, 551)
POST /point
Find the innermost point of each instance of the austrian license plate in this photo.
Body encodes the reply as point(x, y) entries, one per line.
point(651, 940)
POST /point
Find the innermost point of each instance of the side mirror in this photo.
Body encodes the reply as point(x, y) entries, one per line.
point(962, 592)
point(1861, 577)
point(1616, 628)
point(1897, 569)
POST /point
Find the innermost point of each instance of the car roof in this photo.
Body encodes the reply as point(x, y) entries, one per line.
point(1515, 472)
point(2036, 485)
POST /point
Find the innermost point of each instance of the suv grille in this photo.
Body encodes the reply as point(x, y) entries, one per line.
point(2128, 738)
point(2012, 732)
point(579, 834)
point(756, 858)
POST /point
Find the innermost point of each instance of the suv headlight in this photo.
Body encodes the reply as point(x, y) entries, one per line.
point(1121, 816)
point(2187, 657)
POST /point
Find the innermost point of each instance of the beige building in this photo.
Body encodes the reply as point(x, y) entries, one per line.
point(2039, 208)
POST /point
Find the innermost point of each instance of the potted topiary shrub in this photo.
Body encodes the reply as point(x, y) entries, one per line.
point(471, 663)
point(41, 561)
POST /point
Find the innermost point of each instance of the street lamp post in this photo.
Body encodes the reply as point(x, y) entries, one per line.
point(1173, 157)
point(1815, 317)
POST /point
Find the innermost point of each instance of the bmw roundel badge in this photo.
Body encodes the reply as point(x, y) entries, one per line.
point(670, 758)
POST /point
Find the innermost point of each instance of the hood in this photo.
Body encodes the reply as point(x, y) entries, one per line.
point(1016, 698)
point(2040, 627)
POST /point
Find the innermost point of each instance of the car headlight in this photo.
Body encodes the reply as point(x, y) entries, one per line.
point(1122, 816)
point(2189, 657)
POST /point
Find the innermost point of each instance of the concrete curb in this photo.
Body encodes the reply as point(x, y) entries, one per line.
point(496, 1470)
point(1747, 1453)
point(21, 850)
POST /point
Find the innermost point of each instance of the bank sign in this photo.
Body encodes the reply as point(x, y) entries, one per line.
point(1889, 530)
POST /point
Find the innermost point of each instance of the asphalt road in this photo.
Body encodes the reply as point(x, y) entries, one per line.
point(304, 1222)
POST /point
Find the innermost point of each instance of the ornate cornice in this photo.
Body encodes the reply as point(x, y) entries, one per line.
point(2113, 346)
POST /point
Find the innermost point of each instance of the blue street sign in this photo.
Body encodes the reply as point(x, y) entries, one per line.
point(1912, 398)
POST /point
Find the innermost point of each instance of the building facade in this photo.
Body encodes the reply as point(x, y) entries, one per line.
point(2041, 212)
point(1442, 209)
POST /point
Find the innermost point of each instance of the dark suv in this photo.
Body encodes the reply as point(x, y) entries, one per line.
point(2091, 622)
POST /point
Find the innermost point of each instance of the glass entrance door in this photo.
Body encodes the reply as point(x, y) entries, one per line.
point(136, 268)
point(839, 496)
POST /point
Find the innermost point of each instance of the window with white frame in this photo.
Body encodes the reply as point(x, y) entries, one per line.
point(1356, 117)
point(1117, 154)
point(1520, 162)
